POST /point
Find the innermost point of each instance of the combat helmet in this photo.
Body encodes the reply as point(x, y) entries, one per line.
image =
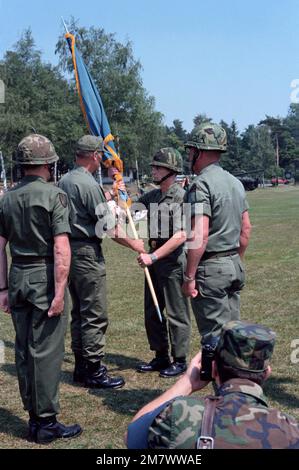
point(35, 149)
point(168, 157)
point(208, 136)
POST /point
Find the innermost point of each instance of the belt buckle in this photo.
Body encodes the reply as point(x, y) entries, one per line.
point(205, 442)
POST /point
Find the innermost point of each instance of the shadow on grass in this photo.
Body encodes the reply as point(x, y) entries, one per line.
point(11, 424)
point(9, 369)
point(114, 362)
point(121, 362)
point(9, 344)
point(126, 402)
point(275, 388)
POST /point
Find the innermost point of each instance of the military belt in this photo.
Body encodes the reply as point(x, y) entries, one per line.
point(32, 259)
point(156, 243)
point(217, 254)
point(86, 240)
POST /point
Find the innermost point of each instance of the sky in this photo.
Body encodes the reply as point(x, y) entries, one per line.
point(229, 59)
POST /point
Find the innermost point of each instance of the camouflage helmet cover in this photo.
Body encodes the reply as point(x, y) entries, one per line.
point(35, 149)
point(208, 136)
point(90, 143)
point(168, 157)
point(246, 346)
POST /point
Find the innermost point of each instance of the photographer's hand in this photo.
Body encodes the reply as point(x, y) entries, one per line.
point(193, 374)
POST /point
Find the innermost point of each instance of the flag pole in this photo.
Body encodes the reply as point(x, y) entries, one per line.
point(107, 138)
point(146, 271)
point(66, 30)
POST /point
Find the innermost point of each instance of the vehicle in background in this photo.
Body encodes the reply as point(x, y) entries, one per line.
point(249, 182)
point(276, 180)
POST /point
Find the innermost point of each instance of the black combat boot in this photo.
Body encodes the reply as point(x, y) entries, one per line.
point(177, 367)
point(46, 430)
point(161, 361)
point(80, 369)
point(32, 426)
point(97, 377)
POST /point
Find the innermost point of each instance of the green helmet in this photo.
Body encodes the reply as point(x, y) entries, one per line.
point(208, 136)
point(90, 143)
point(35, 149)
point(168, 157)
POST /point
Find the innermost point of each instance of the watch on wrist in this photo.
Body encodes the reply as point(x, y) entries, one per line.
point(154, 257)
point(188, 278)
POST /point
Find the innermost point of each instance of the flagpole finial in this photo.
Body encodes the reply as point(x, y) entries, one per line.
point(67, 31)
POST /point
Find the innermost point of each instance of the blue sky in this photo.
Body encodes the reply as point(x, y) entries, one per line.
point(230, 59)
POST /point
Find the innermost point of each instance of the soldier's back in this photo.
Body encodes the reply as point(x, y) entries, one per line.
point(27, 214)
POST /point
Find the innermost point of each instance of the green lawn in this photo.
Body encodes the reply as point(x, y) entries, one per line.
point(270, 297)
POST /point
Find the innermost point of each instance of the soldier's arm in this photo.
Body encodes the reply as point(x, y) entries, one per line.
point(4, 304)
point(62, 261)
point(245, 233)
point(187, 384)
point(197, 243)
point(171, 245)
point(120, 237)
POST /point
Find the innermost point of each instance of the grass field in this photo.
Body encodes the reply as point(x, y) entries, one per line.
point(270, 297)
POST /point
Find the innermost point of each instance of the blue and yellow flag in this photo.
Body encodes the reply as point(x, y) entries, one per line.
point(94, 113)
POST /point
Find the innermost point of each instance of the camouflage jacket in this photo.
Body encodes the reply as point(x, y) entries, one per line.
point(242, 420)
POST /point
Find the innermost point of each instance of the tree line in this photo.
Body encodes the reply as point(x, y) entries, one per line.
point(42, 98)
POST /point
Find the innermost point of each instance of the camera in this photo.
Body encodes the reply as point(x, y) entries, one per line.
point(208, 348)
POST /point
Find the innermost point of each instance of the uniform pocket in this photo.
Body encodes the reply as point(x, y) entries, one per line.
point(239, 282)
point(41, 287)
point(216, 279)
point(38, 277)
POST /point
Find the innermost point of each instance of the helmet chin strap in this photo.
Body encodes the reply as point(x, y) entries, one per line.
point(195, 157)
point(164, 178)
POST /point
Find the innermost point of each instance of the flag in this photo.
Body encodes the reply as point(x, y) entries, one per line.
point(94, 113)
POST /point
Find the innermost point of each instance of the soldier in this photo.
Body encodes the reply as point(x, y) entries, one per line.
point(239, 416)
point(221, 228)
point(34, 220)
point(88, 273)
point(166, 262)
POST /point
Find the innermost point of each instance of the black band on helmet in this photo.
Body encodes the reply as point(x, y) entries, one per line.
point(165, 177)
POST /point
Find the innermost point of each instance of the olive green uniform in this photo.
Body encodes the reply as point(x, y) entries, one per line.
point(167, 276)
point(220, 275)
point(88, 273)
point(31, 215)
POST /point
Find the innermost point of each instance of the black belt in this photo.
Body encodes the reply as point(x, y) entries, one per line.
point(32, 259)
point(156, 243)
point(86, 240)
point(217, 254)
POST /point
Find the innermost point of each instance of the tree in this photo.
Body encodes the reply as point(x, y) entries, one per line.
point(231, 160)
point(258, 152)
point(175, 136)
point(201, 119)
point(38, 99)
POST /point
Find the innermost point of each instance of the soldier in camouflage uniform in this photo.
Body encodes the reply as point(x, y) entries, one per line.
point(89, 211)
point(34, 219)
point(166, 262)
point(241, 420)
point(219, 210)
